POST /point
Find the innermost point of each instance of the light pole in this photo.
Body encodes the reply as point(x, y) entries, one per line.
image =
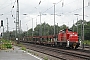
point(83, 25)
point(27, 30)
point(20, 27)
point(57, 28)
point(17, 22)
point(7, 29)
point(54, 21)
point(54, 18)
point(40, 30)
point(77, 21)
point(73, 25)
point(40, 26)
point(32, 24)
point(14, 31)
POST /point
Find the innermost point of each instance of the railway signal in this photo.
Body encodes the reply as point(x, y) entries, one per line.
point(1, 34)
point(1, 22)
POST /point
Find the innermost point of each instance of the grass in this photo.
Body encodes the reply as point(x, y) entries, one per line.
point(23, 48)
point(5, 44)
point(86, 42)
point(20, 45)
point(45, 58)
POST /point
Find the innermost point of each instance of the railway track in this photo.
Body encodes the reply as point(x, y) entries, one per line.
point(83, 50)
point(41, 50)
point(59, 53)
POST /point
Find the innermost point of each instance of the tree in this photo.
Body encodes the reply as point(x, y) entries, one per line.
point(86, 28)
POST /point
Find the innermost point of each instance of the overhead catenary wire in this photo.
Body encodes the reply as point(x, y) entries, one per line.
point(74, 10)
point(49, 8)
point(8, 13)
point(52, 7)
point(6, 6)
point(13, 6)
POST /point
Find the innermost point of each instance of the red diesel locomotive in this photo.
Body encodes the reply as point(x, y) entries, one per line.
point(68, 38)
point(65, 38)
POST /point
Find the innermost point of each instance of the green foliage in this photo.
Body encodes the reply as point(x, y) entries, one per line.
point(44, 27)
point(86, 29)
point(87, 42)
point(45, 58)
point(23, 48)
point(5, 44)
point(49, 30)
point(20, 45)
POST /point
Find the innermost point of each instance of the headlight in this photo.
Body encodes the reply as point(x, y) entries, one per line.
point(71, 35)
point(75, 34)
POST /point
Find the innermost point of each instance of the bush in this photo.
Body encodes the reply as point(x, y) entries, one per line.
point(7, 44)
point(3, 46)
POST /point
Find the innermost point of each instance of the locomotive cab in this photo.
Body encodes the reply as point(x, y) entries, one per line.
point(72, 40)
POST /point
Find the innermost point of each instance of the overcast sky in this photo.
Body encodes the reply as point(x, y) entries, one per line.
point(64, 10)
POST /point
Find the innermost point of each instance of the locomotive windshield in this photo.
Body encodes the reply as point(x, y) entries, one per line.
point(68, 30)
